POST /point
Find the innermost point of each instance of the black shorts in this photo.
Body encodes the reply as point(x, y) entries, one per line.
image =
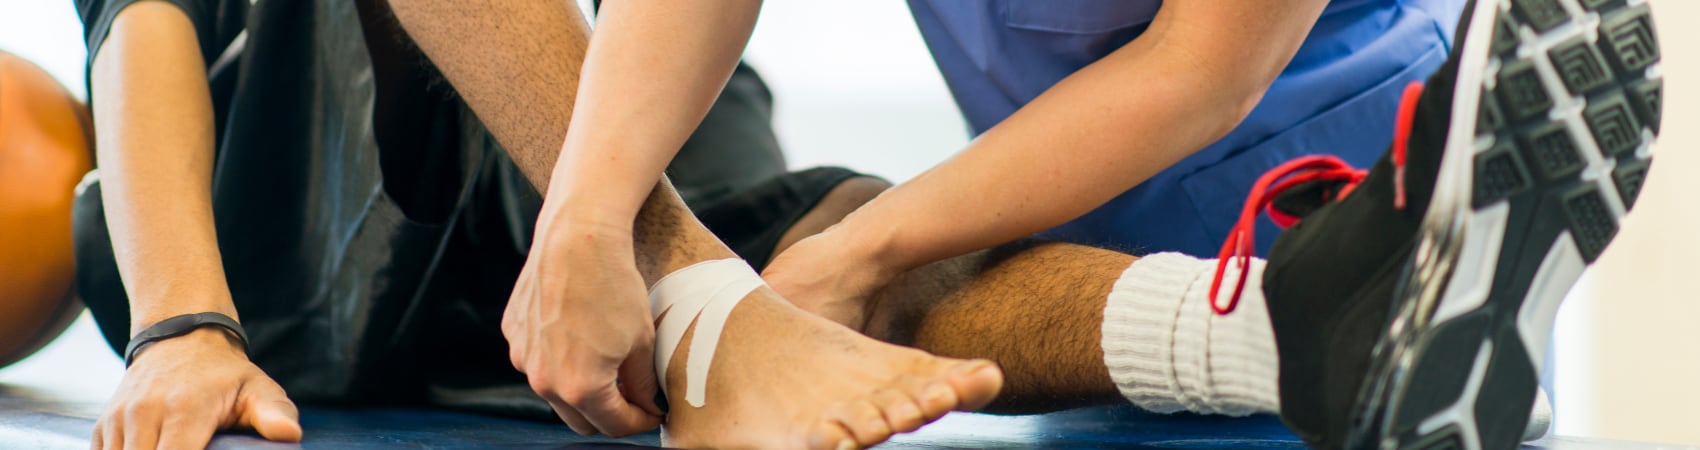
point(393, 291)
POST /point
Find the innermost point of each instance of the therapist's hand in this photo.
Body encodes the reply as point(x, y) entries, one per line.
point(578, 325)
point(828, 276)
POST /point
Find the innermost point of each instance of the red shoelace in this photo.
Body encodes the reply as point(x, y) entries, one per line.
point(1241, 244)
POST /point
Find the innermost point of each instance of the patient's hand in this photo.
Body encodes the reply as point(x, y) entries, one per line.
point(179, 391)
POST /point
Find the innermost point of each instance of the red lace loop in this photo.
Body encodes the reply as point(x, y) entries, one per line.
point(1241, 243)
point(1402, 136)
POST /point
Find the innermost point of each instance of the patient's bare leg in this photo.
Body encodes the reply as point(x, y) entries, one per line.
point(1037, 309)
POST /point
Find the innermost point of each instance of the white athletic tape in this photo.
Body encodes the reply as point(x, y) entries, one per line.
point(707, 292)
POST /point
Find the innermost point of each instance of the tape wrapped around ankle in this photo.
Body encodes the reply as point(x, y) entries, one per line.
point(707, 292)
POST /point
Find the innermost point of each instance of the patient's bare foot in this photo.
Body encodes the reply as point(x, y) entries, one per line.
point(783, 378)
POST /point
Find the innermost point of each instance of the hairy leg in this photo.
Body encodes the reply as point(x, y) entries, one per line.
point(1039, 310)
point(516, 62)
point(1035, 308)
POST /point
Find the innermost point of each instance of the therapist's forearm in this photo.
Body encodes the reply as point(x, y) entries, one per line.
point(652, 72)
point(1073, 149)
point(1097, 133)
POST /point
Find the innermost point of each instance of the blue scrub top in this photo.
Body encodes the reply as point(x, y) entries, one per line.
point(1339, 96)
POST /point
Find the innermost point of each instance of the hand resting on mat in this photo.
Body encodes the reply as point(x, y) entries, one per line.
point(155, 147)
point(179, 391)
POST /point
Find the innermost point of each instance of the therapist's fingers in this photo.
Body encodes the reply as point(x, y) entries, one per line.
point(638, 381)
point(572, 418)
point(568, 415)
point(604, 407)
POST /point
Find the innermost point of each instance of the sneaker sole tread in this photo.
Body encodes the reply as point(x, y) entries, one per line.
point(1566, 112)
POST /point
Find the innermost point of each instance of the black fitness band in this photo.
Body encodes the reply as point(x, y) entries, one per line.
point(181, 325)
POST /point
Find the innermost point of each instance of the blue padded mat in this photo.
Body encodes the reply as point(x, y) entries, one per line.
point(51, 402)
point(34, 419)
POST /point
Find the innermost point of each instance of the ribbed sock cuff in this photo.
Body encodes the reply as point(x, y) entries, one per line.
point(1167, 351)
point(1139, 325)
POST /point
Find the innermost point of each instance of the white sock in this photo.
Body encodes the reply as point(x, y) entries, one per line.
point(1168, 351)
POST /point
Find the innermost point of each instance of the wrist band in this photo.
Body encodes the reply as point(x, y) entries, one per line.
point(181, 325)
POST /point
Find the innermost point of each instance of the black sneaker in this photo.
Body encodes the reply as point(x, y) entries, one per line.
point(1412, 304)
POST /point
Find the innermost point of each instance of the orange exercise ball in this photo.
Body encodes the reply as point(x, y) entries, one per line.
point(44, 152)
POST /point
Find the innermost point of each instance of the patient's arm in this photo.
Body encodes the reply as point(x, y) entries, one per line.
point(155, 138)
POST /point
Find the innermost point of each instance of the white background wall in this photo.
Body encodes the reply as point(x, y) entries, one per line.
point(855, 87)
point(1637, 349)
point(48, 33)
